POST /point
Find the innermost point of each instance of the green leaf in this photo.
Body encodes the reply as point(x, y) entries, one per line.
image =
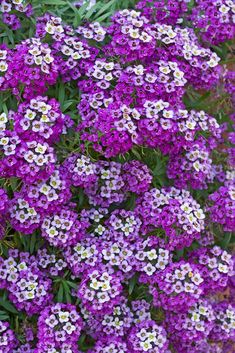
point(8, 306)
point(60, 293)
point(61, 93)
point(106, 7)
point(54, 2)
point(103, 17)
point(14, 183)
point(33, 240)
point(92, 10)
point(132, 284)
point(67, 292)
point(226, 239)
point(136, 153)
point(3, 315)
point(72, 285)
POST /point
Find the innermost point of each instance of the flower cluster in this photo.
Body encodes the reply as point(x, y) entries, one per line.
point(63, 228)
point(217, 266)
point(99, 290)
point(79, 170)
point(150, 257)
point(40, 117)
point(29, 289)
point(193, 167)
point(178, 287)
point(30, 65)
point(59, 327)
point(7, 338)
point(196, 324)
point(92, 31)
point(23, 217)
point(221, 208)
point(147, 336)
point(224, 321)
point(167, 207)
point(11, 8)
point(50, 195)
point(215, 18)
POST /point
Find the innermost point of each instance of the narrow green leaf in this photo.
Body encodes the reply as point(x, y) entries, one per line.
point(33, 240)
point(132, 284)
point(60, 293)
point(54, 2)
point(8, 306)
point(67, 292)
point(105, 7)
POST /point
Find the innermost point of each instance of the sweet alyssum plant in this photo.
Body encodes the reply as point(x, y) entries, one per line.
point(117, 191)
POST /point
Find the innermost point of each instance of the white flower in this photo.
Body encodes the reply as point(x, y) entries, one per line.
point(149, 269)
point(168, 114)
point(105, 286)
point(3, 66)
point(95, 284)
point(29, 157)
point(186, 208)
point(189, 287)
point(164, 69)
point(109, 66)
point(145, 37)
point(142, 335)
point(52, 232)
point(199, 326)
point(29, 295)
point(40, 148)
point(224, 9)
point(223, 268)
point(4, 141)
point(177, 287)
point(199, 214)
point(197, 279)
point(146, 346)
point(69, 328)
point(139, 70)
point(63, 316)
point(195, 317)
point(226, 257)
point(152, 254)
point(103, 297)
point(51, 321)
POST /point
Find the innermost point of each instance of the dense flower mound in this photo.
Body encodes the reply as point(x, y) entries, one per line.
point(117, 179)
point(23, 217)
point(100, 290)
point(215, 18)
point(217, 265)
point(147, 336)
point(31, 65)
point(7, 338)
point(195, 325)
point(63, 228)
point(222, 206)
point(40, 117)
point(59, 327)
point(175, 211)
point(29, 289)
point(178, 287)
point(50, 195)
point(110, 344)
